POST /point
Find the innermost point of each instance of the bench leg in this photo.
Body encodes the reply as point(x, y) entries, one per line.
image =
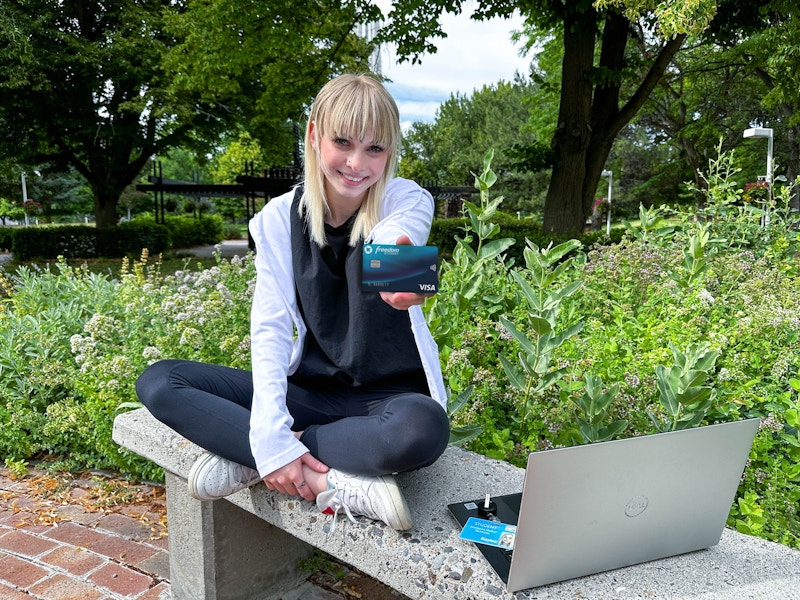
point(217, 551)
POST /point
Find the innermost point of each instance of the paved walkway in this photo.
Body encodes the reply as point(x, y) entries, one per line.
point(227, 249)
point(92, 538)
point(97, 537)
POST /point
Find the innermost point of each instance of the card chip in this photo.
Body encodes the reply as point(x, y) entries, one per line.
point(375, 264)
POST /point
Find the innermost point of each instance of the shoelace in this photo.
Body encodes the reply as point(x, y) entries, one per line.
point(243, 475)
point(338, 502)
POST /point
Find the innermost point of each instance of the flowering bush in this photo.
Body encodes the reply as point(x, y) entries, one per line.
point(32, 207)
point(75, 342)
point(600, 205)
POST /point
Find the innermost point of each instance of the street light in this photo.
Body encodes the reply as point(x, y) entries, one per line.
point(764, 132)
point(610, 175)
point(25, 198)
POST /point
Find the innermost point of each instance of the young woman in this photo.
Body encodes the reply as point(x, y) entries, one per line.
point(346, 387)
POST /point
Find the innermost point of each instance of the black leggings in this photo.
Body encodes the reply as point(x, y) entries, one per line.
point(361, 433)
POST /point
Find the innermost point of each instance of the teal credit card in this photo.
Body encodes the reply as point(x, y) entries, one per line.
point(386, 268)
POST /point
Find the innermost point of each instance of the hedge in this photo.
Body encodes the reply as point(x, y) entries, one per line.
point(126, 239)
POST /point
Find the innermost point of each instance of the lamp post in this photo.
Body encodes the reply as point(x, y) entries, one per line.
point(764, 132)
point(25, 198)
point(610, 175)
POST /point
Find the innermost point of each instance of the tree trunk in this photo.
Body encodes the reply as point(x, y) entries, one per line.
point(105, 211)
point(590, 117)
point(563, 206)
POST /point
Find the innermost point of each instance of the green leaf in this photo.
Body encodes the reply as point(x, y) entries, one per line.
point(523, 340)
point(515, 376)
point(540, 325)
point(612, 430)
point(463, 434)
point(668, 397)
point(495, 248)
point(565, 334)
point(549, 379)
point(454, 405)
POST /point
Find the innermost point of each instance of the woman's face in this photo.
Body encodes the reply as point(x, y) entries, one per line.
point(350, 166)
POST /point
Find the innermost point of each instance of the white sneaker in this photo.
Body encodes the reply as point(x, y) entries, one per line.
point(377, 498)
point(212, 477)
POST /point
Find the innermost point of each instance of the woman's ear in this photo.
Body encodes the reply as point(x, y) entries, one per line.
point(312, 134)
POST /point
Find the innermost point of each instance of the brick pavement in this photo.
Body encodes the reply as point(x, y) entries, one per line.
point(98, 537)
point(91, 538)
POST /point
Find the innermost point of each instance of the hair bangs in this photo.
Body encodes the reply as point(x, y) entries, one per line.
point(362, 113)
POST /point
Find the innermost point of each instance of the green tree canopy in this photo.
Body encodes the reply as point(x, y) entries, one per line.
point(81, 87)
point(451, 149)
point(103, 85)
point(265, 61)
point(614, 54)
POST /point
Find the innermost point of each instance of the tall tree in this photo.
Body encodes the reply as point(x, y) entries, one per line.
point(264, 61)
point(772, 55)
point(103, 85)
point(80, 87)
point(614, 53)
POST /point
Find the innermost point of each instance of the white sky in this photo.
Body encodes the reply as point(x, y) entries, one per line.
point(474, 54)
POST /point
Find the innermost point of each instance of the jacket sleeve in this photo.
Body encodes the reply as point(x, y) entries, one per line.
point(272, 335)
point(407, 210)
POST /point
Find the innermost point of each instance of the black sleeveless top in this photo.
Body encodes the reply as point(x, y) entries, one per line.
point(354, 338)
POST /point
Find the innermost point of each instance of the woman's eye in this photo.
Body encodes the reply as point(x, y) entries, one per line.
point(340, 141)
point(376, 149)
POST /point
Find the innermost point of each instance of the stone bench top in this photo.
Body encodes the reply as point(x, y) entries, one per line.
point(430, 561)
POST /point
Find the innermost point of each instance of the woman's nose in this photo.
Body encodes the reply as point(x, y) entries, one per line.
point(353, 160)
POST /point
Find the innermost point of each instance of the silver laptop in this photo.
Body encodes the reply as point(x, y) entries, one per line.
point(597, 507)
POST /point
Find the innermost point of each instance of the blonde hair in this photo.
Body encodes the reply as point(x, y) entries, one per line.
point(357, 106)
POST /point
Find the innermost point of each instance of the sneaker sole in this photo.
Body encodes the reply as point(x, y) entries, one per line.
point(193, 477)
point(393, 498)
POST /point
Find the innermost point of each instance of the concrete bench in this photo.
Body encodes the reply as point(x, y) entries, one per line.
point(246, 547)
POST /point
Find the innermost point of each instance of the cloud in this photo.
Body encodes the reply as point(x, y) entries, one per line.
point(474, 54)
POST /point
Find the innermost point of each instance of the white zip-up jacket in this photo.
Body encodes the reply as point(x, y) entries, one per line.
point(277, 330)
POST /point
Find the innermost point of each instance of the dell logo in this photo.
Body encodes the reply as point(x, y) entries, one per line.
point(636, 506)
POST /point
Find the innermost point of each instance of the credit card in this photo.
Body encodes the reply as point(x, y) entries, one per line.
point(387, 268)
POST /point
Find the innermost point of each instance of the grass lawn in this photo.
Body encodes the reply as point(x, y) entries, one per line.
point(171, 261)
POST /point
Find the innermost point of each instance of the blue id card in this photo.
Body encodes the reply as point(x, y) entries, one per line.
point(491, 533)
point(387, 268)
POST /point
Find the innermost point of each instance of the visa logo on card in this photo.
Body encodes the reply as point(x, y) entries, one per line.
point(387, 268)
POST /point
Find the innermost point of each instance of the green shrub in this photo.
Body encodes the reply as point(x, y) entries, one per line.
point(130, 238)
point(48, 242)
point(74, 342)
point(7, 238)
point(717, 295)
point(232, 232)
point(188, 231)
point(444, 233)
